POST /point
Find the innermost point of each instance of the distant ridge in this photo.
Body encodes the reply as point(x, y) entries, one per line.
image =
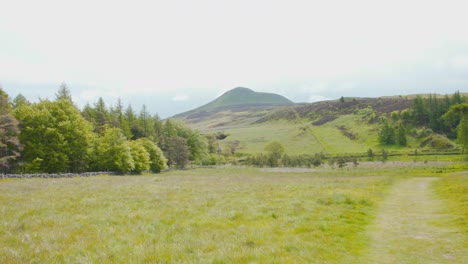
point(245, 96)
point(241, 97)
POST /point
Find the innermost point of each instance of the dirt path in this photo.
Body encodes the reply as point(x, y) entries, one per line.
point(411, 227)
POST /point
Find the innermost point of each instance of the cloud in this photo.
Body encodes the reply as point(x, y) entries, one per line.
point(180, 98)
point(460, 62)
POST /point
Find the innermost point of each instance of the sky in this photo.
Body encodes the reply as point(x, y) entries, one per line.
point(176, 55)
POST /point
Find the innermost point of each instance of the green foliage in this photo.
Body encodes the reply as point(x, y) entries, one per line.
point(275, 149)
point(63, 93)
point(178, 152)
point(401, 135)
point(113, 152)
point(19, 100)
point(386, 133)
point(263, 160)
point(460, 110)
point(10, 146)
point(141, 157)
point(420, 112)
point(462, 136)
point(157, 160)
point(432, 112)
point(370, 154)
point(195, 143)
point(56, 133)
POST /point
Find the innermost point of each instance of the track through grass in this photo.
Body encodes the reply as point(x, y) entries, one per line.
point(412, 227)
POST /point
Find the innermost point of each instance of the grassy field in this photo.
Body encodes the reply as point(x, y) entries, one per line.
point(198, 216)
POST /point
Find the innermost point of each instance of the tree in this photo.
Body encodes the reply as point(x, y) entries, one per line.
point(144, 120)
point(157, 160)
point(10, 146)
point(370, 154)
point(420, 113)
point(178, 152)
point(56, 133)
point(141, 157)
point(401, 135)
point(231, 146)
point(275, 149)
point(462, 128)
point(119, 119)
point(20, 100)
point(113, 152)
point(101, 116)
point(63, 93)
point(386, 133)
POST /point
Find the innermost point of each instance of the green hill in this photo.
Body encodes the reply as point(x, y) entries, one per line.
point(236, 100)
point(331, 127)
point(246, 97)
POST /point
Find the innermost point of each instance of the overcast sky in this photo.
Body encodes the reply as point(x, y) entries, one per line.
point(176, 55)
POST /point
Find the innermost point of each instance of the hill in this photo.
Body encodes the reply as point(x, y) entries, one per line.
point(343, 126)
point(236, 100)
point(245, 97)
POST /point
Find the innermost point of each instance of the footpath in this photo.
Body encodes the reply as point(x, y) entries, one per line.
point(412, 227)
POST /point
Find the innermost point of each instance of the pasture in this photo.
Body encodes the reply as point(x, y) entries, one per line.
point(230, 215)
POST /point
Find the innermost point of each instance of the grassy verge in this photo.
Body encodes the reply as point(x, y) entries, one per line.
point(202, 216)
point(454, 189)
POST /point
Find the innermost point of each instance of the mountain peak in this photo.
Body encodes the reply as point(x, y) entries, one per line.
point(241, 89)
point(244, 97)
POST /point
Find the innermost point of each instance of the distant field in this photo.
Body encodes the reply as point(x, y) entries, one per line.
point(198, 216)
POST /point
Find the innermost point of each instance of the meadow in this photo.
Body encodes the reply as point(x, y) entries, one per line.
point(230, 215)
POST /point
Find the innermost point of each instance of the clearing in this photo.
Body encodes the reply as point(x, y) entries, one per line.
point(412, 227)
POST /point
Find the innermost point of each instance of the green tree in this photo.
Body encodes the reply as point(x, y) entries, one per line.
point(401, 135)
point(196, 143)
point(141, 157)
point(420, 113)
point(56, 133)
point(118, 119)
point(370, 154)
point(178, 152)
point(63, 92)
point(157, 160)
point(462, 128)
point(113, 152)
point(101, 115)
point(386, 133)
point(10, 146)
point(275, 149)
point(20, 100)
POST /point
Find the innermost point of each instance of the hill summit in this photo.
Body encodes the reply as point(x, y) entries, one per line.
point(241, 96)
point(236, 100)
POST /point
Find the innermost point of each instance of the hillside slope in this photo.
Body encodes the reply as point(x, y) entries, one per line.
point(332, 127)
point(236, 100)
point(245, 96)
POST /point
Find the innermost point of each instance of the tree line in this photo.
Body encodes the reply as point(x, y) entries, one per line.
point(55, 136)
point(442, 115)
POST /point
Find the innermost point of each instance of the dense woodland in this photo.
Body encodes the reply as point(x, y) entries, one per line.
point(435, 118)
point(55, 136)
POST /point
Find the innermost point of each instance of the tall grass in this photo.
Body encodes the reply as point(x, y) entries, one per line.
point(454, 189)
point(203, 216)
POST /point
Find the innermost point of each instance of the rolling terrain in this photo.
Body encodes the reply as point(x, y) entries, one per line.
point(346, 126)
